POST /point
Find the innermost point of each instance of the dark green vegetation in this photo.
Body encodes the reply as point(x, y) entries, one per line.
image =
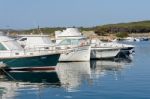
point(120, 29)
point(51, 30)
point(133, 27)
point(122, 35)
point(47, 30)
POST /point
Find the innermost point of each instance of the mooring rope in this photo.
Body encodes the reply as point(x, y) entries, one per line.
point(8, 74)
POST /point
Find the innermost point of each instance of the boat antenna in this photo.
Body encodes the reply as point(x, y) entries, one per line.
point(39, 30)
point(7, 31)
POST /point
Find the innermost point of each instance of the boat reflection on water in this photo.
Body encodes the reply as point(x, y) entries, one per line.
point(65, 75)
point(72, 74)
point(13, 83)
point(101, 67)
point(69, 76)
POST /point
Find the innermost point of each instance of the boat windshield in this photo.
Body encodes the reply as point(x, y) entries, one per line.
point(12, 45)
point(2, 47)
point(46, 40)
point(69, 42)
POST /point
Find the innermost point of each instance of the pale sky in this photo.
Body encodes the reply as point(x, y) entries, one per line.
point(24, 14)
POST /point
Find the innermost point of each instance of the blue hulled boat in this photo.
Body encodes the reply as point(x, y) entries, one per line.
point(13, 55)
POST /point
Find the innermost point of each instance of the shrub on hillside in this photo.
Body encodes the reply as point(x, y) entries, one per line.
point(122, 35)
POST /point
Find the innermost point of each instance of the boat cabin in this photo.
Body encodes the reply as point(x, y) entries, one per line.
point(69, 33)
point(70, 38)
point(35, 41)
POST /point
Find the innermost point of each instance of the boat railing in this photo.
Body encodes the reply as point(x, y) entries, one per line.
point(9, 53)
point(28, 52)
point(68, 49)
point(41, 50)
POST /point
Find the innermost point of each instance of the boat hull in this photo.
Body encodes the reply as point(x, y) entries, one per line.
point(34, 61)
point(100, 53)
point(78, 54)
point(125, 52)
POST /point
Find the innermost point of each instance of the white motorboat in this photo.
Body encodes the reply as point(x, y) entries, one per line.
point(131, 39)
point(73, 52)
point(124, 48)
point(102, 52)
point(72, 38)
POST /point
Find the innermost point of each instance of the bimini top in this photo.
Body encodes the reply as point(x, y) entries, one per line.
point(69, 32)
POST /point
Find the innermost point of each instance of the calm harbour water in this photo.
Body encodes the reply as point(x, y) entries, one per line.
point(123, 79)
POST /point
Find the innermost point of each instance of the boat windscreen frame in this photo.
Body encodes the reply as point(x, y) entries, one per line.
point(2, 47)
